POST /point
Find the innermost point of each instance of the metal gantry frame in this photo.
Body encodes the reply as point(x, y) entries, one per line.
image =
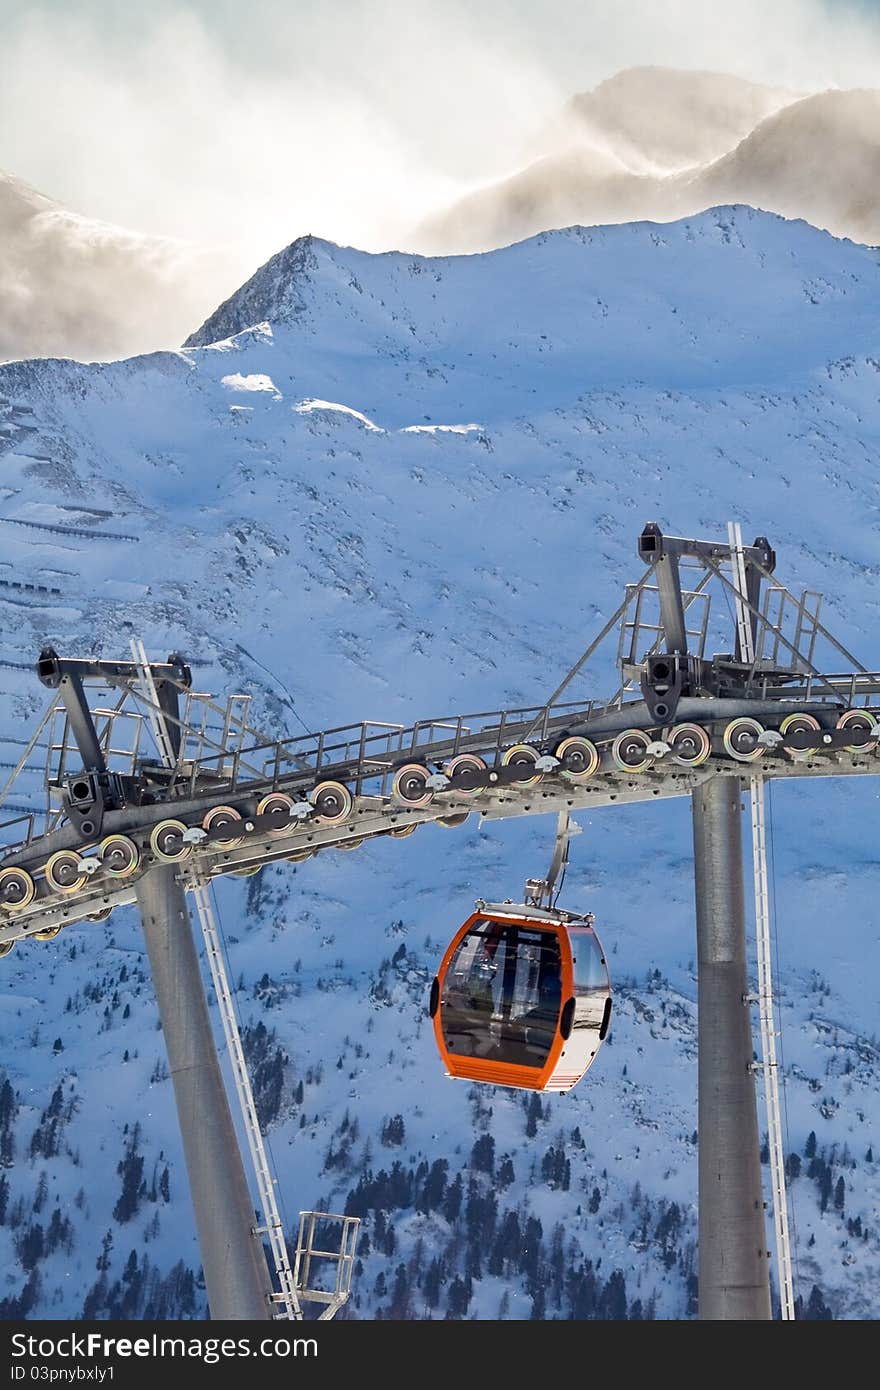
point(222, 798)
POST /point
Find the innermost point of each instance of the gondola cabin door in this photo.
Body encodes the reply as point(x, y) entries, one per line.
point(523, 998)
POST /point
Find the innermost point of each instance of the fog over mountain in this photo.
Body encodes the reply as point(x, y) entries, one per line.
point(818, 159)
point(74, 287)
point(662, 120)
point(657, 144)
point(650, 143)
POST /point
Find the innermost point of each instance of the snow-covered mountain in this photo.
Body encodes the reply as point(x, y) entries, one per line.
point(74, 287)
point(389, 487)
point(661, 144)
point(648, 143)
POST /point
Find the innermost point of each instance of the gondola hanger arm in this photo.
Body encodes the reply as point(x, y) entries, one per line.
point(539, 891)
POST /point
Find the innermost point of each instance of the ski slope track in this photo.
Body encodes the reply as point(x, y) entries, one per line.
point(389, 487)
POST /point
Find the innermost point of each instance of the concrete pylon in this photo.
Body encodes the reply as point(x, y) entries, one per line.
point(734, 1271)
point(236, 1273)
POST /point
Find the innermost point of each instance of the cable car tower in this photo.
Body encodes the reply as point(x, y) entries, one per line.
point(150, 791)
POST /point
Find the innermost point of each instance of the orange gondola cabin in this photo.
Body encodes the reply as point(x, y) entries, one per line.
point(523, 998)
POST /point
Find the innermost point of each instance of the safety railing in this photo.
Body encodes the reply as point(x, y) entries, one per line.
point(9, 842)
point(370, 751)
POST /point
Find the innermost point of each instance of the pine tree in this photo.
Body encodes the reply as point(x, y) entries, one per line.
point(96, 1298)
point(533, 1115)
point(530, 1254)
point(60, 1232)
point(483, 1154)
point(8, 1112)
point(31, 1246)
point(505, 1247)
point(41, 1193)
point(393, 1131)
point(612, 1306)
point(582, 1293)
point(452, 1201)
point(399, 1306)
point(434, 1187)
point(433, 1283)
point(13, 1309)
point(131, 1169)
point(458, 1299)
point(8, 1107)
point(810, 1146)
point(817, 1309)
point(102, 1263)
point(506, 1173)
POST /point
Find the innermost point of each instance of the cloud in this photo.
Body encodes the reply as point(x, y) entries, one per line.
point(70, 286)
point(255, 123)
point(172, 133)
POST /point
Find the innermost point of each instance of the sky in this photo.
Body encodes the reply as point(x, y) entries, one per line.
point(253, 123)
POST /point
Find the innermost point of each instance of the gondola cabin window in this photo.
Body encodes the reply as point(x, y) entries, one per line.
point(503, 994)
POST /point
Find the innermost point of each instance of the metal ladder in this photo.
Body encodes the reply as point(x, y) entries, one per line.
point(779, 1196)
point(273, 1226)
point(769, 1064)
